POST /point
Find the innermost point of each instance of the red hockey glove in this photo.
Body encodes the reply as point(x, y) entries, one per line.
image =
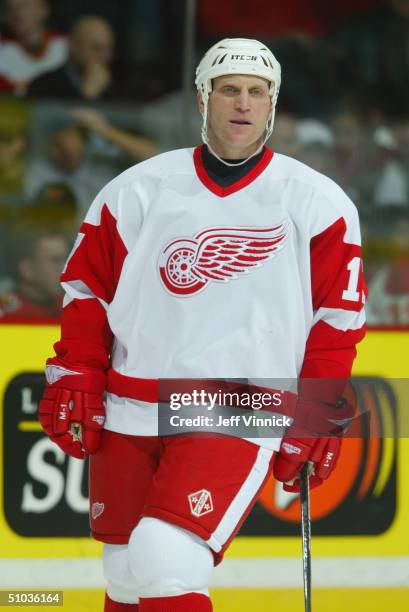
point(294, 452)
point(72, 411)
point(307, 440)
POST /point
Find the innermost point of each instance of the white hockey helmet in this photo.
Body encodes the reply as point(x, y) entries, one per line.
point(238, 56)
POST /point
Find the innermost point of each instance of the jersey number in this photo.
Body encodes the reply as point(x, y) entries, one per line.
point(351, 293)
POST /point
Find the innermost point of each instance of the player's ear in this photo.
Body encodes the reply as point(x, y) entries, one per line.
point(200, 103)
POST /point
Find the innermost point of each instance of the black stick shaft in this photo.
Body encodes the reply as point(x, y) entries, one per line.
point(306, 535)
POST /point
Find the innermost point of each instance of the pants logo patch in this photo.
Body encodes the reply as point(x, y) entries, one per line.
point(97, 509)
point(200, 502)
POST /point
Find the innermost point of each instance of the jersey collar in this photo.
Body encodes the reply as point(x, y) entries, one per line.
point(237, 185)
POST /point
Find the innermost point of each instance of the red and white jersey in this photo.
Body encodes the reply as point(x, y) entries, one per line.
point(19, 65)
point(187, 279)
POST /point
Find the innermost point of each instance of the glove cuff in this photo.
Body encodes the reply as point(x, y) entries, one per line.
point(61, 374)
point(321, 419)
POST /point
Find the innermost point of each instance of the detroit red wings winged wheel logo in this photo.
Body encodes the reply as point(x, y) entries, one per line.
point(217, 254)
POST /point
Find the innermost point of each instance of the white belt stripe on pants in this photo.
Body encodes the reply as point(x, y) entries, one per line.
point(242, 500)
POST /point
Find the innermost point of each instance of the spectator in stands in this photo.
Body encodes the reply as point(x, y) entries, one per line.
point(308, 140)
point(350, 151)
point(388, 175)
point(55, 206)
point(172, 120)
point(136, 147)
point(382, 180)
point(29, 49)
point(317, 145)
point(284, 138)
point(388, 288)
point(88, 73)
point(38, 259)
point(67, 161)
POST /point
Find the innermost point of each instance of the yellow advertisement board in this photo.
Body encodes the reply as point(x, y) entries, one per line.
point(33, 521)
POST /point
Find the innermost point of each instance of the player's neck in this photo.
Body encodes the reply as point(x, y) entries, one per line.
point(225, 175)
point(232, 153)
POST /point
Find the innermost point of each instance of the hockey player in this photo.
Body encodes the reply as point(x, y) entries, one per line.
point(226, 261)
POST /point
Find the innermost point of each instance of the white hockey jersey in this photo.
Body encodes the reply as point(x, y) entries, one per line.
point(174, 276)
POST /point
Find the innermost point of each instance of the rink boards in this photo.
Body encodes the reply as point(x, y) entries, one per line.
point(379, 547)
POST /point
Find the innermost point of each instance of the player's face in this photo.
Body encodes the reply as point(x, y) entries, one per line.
point(238, 110)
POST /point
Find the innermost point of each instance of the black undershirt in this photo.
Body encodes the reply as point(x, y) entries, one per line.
point(227, 175)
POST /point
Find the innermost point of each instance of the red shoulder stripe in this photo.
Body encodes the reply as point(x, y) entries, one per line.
point(98, 260)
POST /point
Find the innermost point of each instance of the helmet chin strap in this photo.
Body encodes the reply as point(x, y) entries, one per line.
point(226, 163)
point(267, 133)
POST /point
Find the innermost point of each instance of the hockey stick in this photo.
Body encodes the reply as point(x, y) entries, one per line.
point(306, 533)
point(351, 397)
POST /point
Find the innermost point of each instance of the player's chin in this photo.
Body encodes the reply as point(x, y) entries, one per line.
point(249, 133)
point(242, 137)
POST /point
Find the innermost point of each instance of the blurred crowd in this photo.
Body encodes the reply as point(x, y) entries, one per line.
point(89, 88)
